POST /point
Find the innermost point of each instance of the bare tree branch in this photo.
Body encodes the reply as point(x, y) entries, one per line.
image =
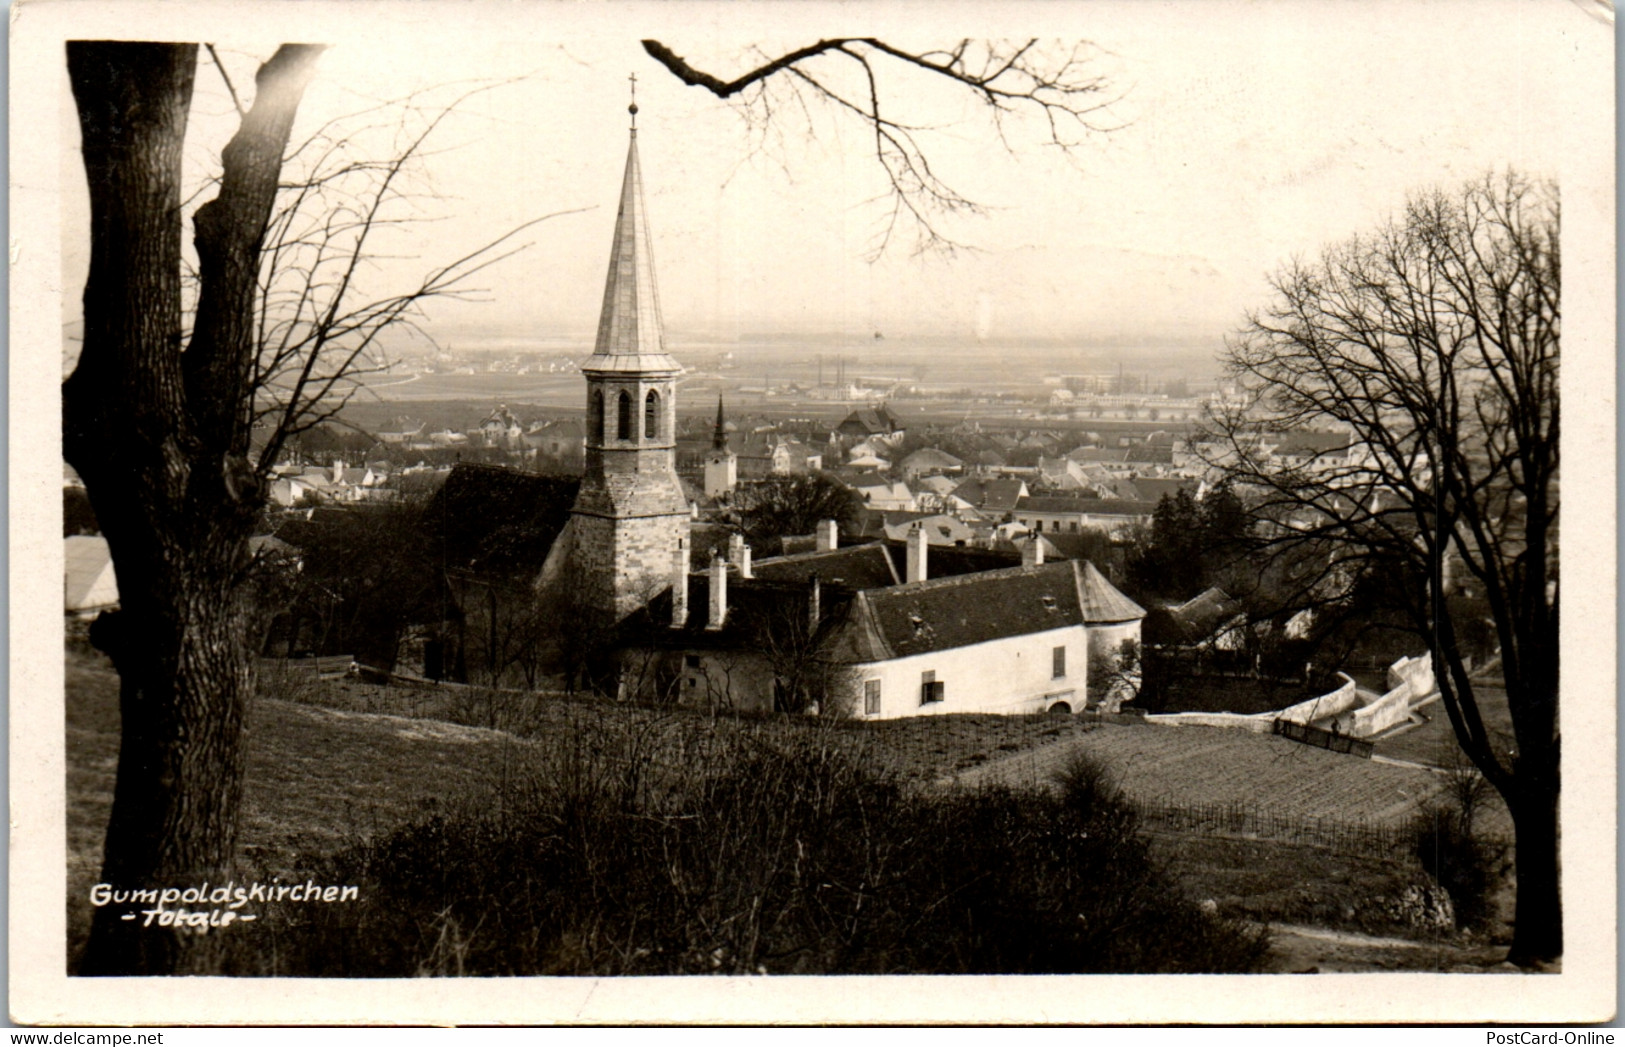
point(1008, 79)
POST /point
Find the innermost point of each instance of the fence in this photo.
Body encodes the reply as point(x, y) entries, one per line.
point(321, 665)
point(1323, 739)
point(1344, 835)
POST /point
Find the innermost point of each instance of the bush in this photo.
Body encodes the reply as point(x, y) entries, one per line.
point(733, 856)
point(1467, 866)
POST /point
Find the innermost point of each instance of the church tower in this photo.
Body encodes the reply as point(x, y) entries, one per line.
point(630, 517)
point(721, 464)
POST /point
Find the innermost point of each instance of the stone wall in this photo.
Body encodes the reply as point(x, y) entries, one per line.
point(622, 564)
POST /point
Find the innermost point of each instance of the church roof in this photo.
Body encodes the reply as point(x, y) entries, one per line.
point(497, 522)
point(630, 334)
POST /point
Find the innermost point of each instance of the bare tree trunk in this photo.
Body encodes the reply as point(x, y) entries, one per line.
point(1538, 934)
point(183, 662)
point(160, 438)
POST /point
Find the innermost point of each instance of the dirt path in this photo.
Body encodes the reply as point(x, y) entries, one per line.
point(1297, 949)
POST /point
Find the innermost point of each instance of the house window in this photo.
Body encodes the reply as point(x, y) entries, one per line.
point(1038, 526)
point(691, 660)
point(651, 415)
point(871, 697)
point(1058, 662)
point(931, 689)
point(1074, 527)
point(623, 420)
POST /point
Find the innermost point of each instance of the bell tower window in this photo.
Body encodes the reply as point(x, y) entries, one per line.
point(595, 416)
point(651, 415)
point(623, 419)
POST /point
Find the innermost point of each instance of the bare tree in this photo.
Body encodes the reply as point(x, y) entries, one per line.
point(320, 332)
point(1117, 678)
point(796, 633)
point(159, 422)
point(1058, 88)
point(1433, 346)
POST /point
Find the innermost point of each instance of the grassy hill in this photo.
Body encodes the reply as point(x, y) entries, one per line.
point(336, 766)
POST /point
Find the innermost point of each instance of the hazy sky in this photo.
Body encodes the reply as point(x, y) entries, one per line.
point(1245, 133)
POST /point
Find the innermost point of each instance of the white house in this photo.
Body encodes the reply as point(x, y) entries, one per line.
point(1052, 513)
point(1021, 639)
point(887, 494)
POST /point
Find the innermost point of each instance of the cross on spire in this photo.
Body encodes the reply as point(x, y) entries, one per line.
point(633, 108)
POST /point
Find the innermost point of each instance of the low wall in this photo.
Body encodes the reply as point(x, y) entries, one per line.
point(1257, 724)
point(1333, 703)
point(1418, 672)
point(1411, 680)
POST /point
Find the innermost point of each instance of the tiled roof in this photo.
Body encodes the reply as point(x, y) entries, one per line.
point(854, 566)
point(563, 428)
point(755, 607)
point(997, 495)
point(946, 561)
point(931, 458)
point(1072, 545)
point(1192, 621)
point(498, 521)
point(1091, 506)
point(1102, 601)
point(946, 613)
point(940, 529)
point(1098, 454)
point(870, 420)
point(1151, 453)
point(1154, 488)
point(1308, 442)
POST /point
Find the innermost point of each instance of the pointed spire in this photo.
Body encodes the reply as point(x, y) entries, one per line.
point(630, 336)
point(719, 436)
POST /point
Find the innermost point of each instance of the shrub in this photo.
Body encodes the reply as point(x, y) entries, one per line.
point(1467, 866)
point(623, 855)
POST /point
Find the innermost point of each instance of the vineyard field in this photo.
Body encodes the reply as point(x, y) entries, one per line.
point(1206, 766)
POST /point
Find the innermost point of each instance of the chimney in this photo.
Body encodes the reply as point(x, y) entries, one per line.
point(815, 604)
point(719, 591)
point(916, 554)
point(1032, 552)
point(679, 585)
point(828, 535)
point(744, 560)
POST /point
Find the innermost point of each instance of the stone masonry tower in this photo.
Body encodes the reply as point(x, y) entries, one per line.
point(630, 515)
